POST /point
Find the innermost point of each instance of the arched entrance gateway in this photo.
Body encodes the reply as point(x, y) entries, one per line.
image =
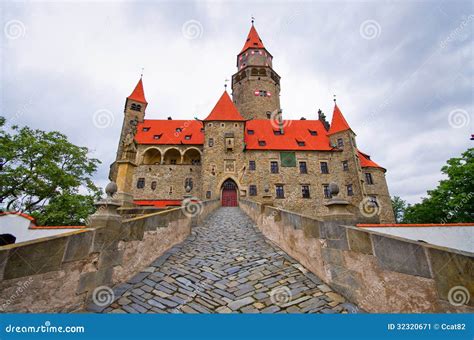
point(229, 193)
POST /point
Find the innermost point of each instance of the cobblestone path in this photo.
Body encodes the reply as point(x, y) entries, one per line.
point(226, 266)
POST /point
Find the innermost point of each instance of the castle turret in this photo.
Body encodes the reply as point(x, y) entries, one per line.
point(256, 86)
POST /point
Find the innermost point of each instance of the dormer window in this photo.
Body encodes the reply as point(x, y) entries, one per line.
point(301, 142)
point(187, 137)
point(277, 132)
point(250, 132)
point(179, 129)
point(262, 143)
point(156, 137)
point(146, 129)
point(313, 132)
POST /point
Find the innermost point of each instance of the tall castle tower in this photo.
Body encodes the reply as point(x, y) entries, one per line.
point(255, 86)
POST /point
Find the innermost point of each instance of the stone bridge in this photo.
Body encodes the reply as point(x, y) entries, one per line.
point(249, 259)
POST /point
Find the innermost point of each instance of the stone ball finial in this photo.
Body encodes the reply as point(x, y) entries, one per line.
point(333, 189)
point(111, 189)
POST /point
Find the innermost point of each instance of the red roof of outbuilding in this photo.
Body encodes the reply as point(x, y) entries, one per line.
point(338, 122)
point(153, 131)
point(311, 133)
point(253, 40)
point(225, 110)
point(138, 93)
point(366, 162)
point(158, 203)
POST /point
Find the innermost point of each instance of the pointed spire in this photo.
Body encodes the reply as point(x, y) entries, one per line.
point(253, 40)
point(138, 93)
point(225, 110)
point(338, 122)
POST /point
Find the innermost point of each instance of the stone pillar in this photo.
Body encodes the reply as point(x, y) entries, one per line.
point(125, 170)
point(338, 207)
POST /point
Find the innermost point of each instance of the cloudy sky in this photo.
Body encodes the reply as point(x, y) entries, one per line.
point(402, 71)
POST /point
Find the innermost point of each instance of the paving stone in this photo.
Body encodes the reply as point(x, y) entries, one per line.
point(234, 305)
point(225, 266)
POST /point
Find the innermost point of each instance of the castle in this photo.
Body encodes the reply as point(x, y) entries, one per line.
point(244, 148)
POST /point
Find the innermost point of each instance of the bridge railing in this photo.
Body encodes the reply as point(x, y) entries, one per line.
point(61, 273)
point(378, 272)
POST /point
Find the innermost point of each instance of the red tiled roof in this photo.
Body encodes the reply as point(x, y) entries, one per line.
point(170, 132)
point(399, 225)
point(28, 217)
point(253, 40)
point(158, 203)
point(294, 131)
point(366, 162)
point(225, 110)
point(138, 93)
point(338, 122)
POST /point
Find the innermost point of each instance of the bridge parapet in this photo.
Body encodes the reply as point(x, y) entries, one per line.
point(60, 273)
point(378, 272)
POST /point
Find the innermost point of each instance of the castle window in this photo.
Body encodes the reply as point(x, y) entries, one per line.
point(252, 165)
point(146, 129)
point(157, 137)
point(305, 191)
point(277, 132)
point(327, 193)
point(262, 93)
point(253, 190)
point(262, 143)
point(187, 137)
point(188, 182)
point(170, 191)
point(135, 107)
point(373, 200)
point(350, 191)
point(340, 142)
point(368, 178)
point(222, 124)
point(153, 185)
point(301, 143)
point(274, 167)
point(173, 161)
point(313, 133)
point(303, 168)
point(209, 124)
point(179, 129)
point(236, 125)
point(250, 132)
point(141, 183)
point(324, 168)
point(195, 162)
point(211, 142)
point(345, 166)
point(279, 191)
point(208, 194)
point(269, 114)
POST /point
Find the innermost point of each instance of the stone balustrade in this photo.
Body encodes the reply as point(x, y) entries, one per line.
point(377, 272)
point(60, 273)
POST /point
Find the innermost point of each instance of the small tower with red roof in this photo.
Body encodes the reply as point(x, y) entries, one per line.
point(255, 85)
point(134, 113)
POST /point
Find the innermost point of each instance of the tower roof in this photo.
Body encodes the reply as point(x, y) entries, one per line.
point(338, 122)
point(138, 94)
point(225, 110)
point(253, 40)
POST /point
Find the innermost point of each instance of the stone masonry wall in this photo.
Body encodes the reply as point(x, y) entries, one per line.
point(379, 273)
point(59, 274)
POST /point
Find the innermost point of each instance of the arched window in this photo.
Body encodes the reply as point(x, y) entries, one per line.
point(188, 183)
point(135, 107)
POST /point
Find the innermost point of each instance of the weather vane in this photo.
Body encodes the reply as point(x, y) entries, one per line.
point(334, 98)
point(141, 75)
point(225, 83)
point(253, 19)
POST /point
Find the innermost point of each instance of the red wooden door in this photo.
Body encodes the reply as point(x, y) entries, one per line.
point(229, 194)
point(229, 198)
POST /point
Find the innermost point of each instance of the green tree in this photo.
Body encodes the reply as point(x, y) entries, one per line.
point(453, 200)
point(43, 174)
point(399, 206)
